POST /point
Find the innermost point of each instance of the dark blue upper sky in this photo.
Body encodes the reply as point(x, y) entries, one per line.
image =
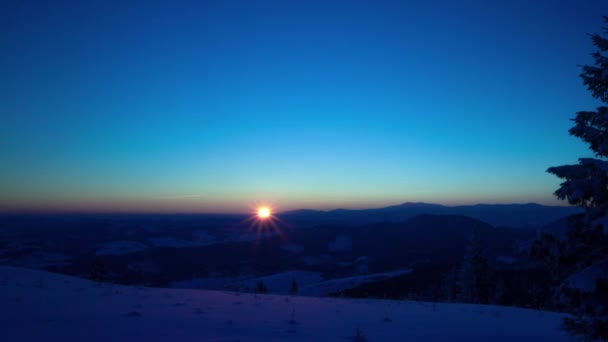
point(207, 106)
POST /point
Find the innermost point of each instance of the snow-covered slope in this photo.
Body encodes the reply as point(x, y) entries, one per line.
point(341, 284)
point(40, 306)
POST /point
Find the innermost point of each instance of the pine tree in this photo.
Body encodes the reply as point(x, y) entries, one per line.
point(449, 284)
point(499, 291)
point(474, 273)
point(579, 262)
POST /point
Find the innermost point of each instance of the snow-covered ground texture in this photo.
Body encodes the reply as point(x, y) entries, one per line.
point(41, 306)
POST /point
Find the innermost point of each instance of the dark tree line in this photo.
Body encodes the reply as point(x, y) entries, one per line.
point(473, 280)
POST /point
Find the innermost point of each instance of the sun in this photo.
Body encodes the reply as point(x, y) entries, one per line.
point(264, 212)
point(264, 222)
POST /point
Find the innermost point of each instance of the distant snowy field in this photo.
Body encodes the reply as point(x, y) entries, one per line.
point(309, 283)
point(121, 247)
point(200, 239)
point(41, 306)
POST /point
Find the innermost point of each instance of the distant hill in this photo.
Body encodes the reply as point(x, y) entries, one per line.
point(559, 228)
point(509, 215)
point(157, 245)
point(424, 240)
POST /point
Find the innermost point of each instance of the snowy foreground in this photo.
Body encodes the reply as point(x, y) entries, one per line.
point(41, 306)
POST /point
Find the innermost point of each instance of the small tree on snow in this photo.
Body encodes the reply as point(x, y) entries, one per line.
point(294, 287)
point(99, 272)
point(582, 257)
point(260, 287)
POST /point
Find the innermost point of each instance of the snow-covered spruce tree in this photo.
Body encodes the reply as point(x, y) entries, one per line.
point(580, 260)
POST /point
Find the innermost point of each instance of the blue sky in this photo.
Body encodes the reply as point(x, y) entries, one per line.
point(216, 106)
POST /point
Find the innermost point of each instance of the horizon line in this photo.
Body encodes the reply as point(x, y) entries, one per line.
point(50, 212)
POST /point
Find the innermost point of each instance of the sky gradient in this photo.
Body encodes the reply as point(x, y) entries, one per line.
point(216, 106)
